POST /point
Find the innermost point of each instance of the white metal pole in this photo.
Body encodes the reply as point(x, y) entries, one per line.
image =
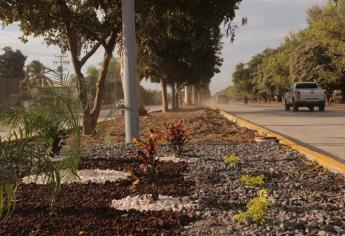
point(129, 73)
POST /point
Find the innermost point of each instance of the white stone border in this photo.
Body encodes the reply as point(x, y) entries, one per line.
point(143, 203)
point(85, 176)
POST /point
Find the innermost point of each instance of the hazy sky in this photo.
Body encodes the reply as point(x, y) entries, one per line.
point(269, 21)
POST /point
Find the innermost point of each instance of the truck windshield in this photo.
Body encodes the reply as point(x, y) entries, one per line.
point(306, 86)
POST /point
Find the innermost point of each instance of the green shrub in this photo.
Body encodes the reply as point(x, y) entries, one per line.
point(231, 160)
point(36, 136)
point(252, 181)
point(256, 209)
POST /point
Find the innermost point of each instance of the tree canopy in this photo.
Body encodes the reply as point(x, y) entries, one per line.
point(179, 41)
point(12, 63)
point(316, 53)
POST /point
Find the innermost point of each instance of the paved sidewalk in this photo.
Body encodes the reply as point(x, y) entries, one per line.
point(320, 131)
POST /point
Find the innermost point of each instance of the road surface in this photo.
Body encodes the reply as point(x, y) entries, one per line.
point(320, 131)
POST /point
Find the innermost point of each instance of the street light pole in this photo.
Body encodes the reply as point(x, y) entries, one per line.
point(129, 72)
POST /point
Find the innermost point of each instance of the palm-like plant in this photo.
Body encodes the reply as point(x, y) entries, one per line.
point(33, 142)
point(37, 73)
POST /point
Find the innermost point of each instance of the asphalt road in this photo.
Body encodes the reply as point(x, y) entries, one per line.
point(320, 131)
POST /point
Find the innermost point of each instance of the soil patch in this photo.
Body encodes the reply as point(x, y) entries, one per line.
point(205, 126)
point(170, 179)
point(84, 210)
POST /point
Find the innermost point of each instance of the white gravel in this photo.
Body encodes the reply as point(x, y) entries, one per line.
point(142, 203)
point(85, 176)
point(172, 158)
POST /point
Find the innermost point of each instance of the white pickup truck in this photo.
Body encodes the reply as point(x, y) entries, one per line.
point(305, 94)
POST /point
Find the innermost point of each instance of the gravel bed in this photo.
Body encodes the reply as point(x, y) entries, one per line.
point(307, 200)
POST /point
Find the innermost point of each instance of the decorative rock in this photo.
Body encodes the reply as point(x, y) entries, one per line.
point(143, 203)
point(85, 176)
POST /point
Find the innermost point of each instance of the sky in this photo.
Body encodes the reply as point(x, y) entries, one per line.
point(269, 21)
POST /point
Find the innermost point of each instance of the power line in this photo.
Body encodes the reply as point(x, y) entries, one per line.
point(60, 66)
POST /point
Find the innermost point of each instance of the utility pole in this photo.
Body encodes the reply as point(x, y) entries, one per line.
point(60, 63)
point(130, 73)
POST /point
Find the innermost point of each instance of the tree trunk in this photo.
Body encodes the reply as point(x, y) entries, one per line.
point(164, 96)
point(173, 97)
point(141, 105)
point(194, 98)
point(195, 94)
point(90, 117)
point(177, 100)
point(187, 95)
point(342, 89)
point(97, 102)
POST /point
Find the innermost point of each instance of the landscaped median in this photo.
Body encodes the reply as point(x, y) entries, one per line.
point(221, 182)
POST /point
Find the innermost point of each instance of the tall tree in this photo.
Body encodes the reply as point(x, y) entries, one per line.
point(12, 63)
point(176, 34)
point(242, 80)
point(11, 72)
point(80, 27)
point(328, 25)
point(312, 62)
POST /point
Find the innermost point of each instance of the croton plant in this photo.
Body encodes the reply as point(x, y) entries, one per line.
point(147, 155)
point(177, 136)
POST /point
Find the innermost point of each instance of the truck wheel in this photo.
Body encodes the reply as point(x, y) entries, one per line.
point(287, 107)
point(294, 107)
point(311, 108)
point(322, 107)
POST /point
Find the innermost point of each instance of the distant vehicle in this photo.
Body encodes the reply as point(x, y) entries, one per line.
point(120, 104)
point(221, 99)
point(305, 94)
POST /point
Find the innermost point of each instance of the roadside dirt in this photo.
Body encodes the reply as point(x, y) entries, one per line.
point(84, 209)
point(204, 125)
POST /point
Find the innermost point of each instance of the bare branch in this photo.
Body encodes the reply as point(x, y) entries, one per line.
point(90, 53)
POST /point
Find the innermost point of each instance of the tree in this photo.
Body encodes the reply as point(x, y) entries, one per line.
point(328, 25)
point(242, 80)
point(174, 36)
point(74, 26)
point(11, 72)
point(312, 62)
point(12, 63)
point(37, 74)
point(316, 53)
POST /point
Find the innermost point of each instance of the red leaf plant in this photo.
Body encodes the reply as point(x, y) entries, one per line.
point(177, 136)
point(150, 161)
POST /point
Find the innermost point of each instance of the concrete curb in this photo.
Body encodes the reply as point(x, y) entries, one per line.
point(324, 160)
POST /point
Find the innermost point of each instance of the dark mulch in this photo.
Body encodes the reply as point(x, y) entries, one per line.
point(170, 179)
point(84, 209)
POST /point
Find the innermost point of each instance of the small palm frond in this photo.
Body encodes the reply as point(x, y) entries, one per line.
point(30, 145)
